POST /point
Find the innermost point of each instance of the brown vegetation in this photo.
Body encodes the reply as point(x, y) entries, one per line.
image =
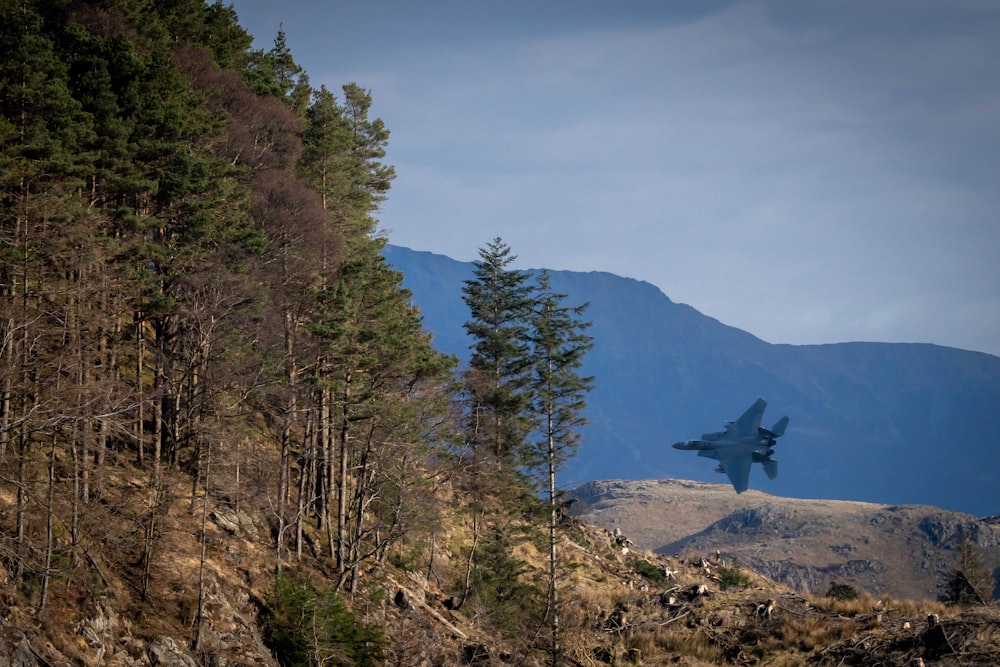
point(899, 551)
point(224, 436)
point(618, 607)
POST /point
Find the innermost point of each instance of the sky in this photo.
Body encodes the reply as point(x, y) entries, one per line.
point(810, 172)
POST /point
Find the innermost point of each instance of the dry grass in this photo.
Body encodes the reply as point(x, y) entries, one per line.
point(787, 660)
point(919, 607)
point(611, 611)
point(867, 604)
point(697, 644)
point(863, 604)
point(808, 634)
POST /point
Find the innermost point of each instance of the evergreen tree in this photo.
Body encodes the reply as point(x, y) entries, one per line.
point(177, 284)
point(308, 626)
point(376, 376)
point(381, 375)
point(500, 301)
point(369, 178)
point(328, 142)
point(971, 582)
point(276, 74)
point(559, 343)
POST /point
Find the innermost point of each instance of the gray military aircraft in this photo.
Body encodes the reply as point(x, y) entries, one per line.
point(743, 442)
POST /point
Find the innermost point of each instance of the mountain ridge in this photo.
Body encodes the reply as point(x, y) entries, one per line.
point(869, 421)
point(902, 550)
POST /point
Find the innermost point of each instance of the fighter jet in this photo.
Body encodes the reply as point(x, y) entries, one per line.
point(743, 442)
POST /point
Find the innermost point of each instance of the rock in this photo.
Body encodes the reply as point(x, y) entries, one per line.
point(949, 530)
point(23, 656)
point(226, 521)
point(164, 652)
point(767, 518)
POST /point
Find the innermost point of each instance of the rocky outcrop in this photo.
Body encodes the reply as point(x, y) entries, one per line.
point(817, 579)
point(951, 530)
point(768, 518)
point(902, 550)
point(20, 655)
point(230, 637)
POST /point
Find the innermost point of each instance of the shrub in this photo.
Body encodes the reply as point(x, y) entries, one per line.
point(841, 591)
point(648, 570)
point(732, 577)
point(505, 590)
point(307, 627)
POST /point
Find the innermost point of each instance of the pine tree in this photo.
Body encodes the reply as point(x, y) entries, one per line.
point(382, 378)
point(276, 74)
point(376, 376)
point(559, 343)
point(500, 301)
point(328, 142)
point(45, 137)
point(368, 177)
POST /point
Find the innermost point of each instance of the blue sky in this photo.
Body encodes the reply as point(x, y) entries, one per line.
point(811, 172)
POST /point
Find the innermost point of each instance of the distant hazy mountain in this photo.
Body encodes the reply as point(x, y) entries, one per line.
point(880, 422)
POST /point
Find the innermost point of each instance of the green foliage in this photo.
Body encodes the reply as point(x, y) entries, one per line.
point(306, 626)
point(205, 242)
point(648, 570)
point(732, 577)
point(558, 345)
point(507, 601)
point(841, 591)
point(500, 302)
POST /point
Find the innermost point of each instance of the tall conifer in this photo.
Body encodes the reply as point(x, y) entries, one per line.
point(559, 343)
point(500, 301)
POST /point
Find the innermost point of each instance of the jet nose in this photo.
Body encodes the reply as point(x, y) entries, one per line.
point(680, 445)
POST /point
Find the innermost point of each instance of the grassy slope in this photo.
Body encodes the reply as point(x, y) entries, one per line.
point(617, 607)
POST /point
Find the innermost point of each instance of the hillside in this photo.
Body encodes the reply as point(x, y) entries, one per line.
point(885, 423)
point(621, 605)
point(904, 551)
point(225, 437)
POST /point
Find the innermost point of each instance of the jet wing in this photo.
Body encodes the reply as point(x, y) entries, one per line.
point(746, 426)
point(737, 467)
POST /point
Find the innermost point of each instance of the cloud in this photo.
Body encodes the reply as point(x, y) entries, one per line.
point(839, 161)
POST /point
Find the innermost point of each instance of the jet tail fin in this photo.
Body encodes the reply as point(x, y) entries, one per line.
point(779, 428)
point(770, 468)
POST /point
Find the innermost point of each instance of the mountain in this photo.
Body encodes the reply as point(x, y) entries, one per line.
point(879, 422)
point(901, 550)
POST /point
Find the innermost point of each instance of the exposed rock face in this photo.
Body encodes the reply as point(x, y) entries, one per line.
point(164, 652)
point(805, 577)
point(904, 551)
point(20, 656)
point(767, 518)
point(230, 637)
point(948, 530)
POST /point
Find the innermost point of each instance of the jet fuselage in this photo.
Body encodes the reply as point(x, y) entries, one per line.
point(743, 442)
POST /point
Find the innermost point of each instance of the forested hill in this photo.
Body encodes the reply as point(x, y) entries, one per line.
point(188, 267)
point(226, 438)
point(887, 423)
point(192, 306)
